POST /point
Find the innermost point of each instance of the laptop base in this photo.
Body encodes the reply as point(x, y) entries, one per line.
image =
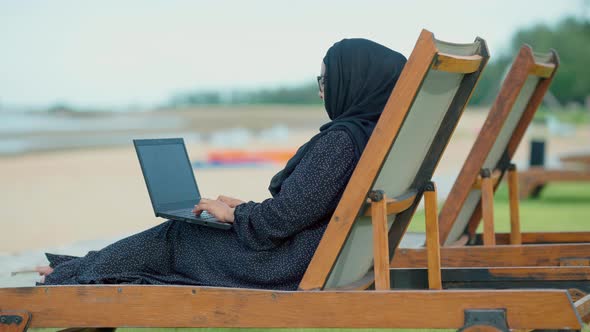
point(198, 221)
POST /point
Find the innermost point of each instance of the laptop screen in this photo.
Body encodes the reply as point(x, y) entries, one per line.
point(168, 173)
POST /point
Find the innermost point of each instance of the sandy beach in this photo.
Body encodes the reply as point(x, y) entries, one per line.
point(74, 200)
point(61, 196)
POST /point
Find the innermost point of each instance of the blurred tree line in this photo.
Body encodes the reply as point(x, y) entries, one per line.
point(298, 95)
point(570, 37)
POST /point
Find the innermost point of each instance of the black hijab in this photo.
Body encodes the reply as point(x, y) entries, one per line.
point(360, 75)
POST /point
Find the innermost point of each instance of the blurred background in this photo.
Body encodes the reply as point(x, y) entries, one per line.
point(237, 80)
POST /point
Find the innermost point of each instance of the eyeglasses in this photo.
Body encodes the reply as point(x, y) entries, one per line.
point(321, 82)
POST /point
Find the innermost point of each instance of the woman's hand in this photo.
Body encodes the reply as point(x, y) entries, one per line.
point(230, 201)
point(216, 208)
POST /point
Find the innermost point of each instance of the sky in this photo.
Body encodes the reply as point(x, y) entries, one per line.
point(114, 53)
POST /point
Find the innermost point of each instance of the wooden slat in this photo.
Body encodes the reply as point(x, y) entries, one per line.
point(481, 278)
point(543, 70)
point(493, 274)
point(182, 306)
point(542, 273)
point(546, 237)
point(432, 244)
point(498, 114)
point(380, 243)
point(515, 236)
point(396, 205)
point(480, 256)
point(370, 163)
point(457, 63)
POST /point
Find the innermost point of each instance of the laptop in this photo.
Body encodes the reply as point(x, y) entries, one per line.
point(170, 181)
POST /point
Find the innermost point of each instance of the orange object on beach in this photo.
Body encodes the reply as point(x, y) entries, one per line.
point(238, 156)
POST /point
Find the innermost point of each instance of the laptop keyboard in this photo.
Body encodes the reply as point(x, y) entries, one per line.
point(188, 213)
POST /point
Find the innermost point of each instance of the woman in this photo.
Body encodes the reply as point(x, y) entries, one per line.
point(272, 242)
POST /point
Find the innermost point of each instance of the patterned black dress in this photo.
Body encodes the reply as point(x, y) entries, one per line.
point(269, 246)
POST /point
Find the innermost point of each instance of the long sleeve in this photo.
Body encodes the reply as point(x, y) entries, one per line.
point(308, 196)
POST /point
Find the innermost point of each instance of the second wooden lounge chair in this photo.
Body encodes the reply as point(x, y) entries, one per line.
point(490, 159)
point(398, 162)
point(472, 197)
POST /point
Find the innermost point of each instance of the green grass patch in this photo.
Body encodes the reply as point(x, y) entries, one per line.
point(561, 207)
point(575, 116)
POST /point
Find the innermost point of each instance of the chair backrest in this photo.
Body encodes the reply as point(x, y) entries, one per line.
point(522, 92)
point(401, 155)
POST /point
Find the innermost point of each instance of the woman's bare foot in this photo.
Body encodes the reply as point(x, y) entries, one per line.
point(43, 270)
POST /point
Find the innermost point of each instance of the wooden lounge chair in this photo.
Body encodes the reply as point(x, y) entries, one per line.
point(376, 207)
point(575, 168)
point(471, 198)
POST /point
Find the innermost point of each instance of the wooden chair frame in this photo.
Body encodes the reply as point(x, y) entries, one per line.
point(313, 305)
point(468, 179)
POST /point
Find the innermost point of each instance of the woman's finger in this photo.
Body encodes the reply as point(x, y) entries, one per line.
point(198, 209)
point(216, 208)
point(203, 202)
point(224, 199)
point(204, 205)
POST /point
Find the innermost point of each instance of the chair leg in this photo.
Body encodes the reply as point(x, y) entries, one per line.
point(487, 206)
point(515, 234)
point(380, 240)
point(432, 237)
